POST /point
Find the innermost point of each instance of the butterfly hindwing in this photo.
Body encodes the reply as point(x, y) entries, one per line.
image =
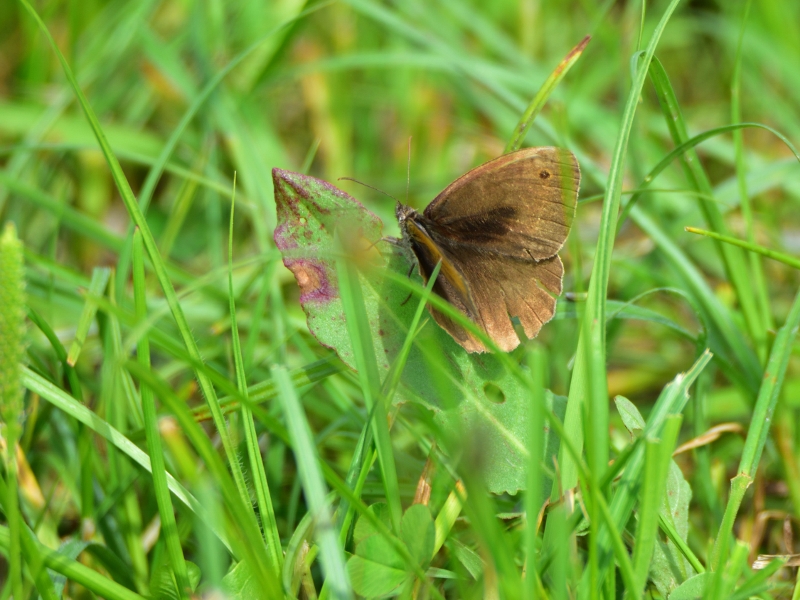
point(450, 283)
point(502, 288)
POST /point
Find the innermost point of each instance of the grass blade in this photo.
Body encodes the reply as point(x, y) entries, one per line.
point(733, 259)
point(658, 454)
point(97, 286)
point(38, 385)
point(760, 426)
point(263, 497)
point(592, 333)
point(75, 571)
point(716, 314)
point(157, 169)
point(671, 401)
point(158, 468)
point(534, 494)
point(313, 485)
point(364, 353)
point(759, 283)
point(245, 535)
point(12, 353)
point(752, 247)
point(539, 100)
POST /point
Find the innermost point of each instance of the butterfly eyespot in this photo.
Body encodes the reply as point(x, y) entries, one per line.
point(544, 175)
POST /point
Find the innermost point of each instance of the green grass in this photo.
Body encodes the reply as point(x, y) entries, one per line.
point(185, 429)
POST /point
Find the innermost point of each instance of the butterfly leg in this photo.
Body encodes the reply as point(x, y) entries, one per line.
point(410, 271)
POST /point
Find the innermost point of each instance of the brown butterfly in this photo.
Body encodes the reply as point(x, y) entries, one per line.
point(497, 231)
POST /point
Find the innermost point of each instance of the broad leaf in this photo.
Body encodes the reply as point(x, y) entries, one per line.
point(364, 528)
point(162, 580)
point(467, 557)
point(376, 569)
point(372, 579)
point(631, 417)
point(473, 397)
point(418, 533)
point(669, 567)
point(693, 588)
point(240, 584)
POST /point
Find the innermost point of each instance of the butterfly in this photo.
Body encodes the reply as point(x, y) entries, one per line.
point(497, 231)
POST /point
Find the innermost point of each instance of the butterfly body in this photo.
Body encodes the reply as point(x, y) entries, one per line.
point(497, 231)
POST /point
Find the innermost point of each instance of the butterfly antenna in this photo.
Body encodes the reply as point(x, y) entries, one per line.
point(408, 169)
point(367, 185)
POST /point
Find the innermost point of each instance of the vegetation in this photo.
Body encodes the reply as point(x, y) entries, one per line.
point(181, 415)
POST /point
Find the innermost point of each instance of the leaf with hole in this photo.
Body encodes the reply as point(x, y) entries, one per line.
point(473, 397)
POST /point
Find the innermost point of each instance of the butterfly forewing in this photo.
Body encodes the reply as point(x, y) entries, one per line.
point(521, 204)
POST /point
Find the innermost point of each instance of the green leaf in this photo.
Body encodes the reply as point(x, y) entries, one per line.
point(631, 417)
point(468, 393)
point(417, 531)
point(163, 585)
point(377, 548)
point(692, 588)
point(309, 210)
point(669, 568)
point(377, 568)
point(239, 583)
point(100, 277)
point(467, 557)
point(364, 528)
point(372, 579)
point(500, 430)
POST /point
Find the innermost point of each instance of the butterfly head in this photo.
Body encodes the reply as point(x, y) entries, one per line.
point(403, 212)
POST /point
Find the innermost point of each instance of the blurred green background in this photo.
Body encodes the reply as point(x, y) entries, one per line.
point(343, 90)
point(340, 90)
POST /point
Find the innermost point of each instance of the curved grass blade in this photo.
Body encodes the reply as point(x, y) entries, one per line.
point(60, 399)
point(268, 523)
point(539, 100)
point(592, 333)
point(158, 468)
point(308, 464)
point(773, 254)
point(748, 372)
point(687, 145)
point(760, 426)
point(732, 258)
point(75, 571)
